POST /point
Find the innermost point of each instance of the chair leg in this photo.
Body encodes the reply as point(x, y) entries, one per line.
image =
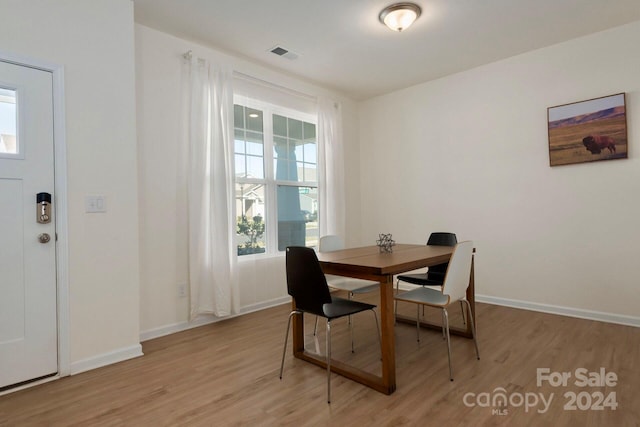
point(444, 336)
point(446, 321)
point(375, 316)
point(315, 327)
point(473, 327)
point(286, 337)
point(350, 294)
point(395, 309)
point(462, 311)
point(418, 322)
point(328, 361)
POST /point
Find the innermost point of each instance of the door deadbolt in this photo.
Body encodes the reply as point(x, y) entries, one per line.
point(43, 208)
point(44, 238)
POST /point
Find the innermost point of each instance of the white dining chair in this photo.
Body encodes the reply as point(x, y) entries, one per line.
point(454, 289)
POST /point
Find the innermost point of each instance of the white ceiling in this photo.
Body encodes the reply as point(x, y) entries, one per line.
point(342, 45)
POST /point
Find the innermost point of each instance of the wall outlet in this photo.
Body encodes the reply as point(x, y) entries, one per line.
point(182, 290)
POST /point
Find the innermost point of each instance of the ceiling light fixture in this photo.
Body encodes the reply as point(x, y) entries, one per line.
point(400, 16)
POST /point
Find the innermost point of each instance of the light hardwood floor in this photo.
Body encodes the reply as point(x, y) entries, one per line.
point(227, 374)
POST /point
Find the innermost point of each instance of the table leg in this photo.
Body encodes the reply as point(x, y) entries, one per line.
point(387, 318)
point(297, 331)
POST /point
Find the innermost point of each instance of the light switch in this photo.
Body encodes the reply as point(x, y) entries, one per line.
point(95, 204)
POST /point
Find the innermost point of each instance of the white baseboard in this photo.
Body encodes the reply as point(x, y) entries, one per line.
point(563, 311)
point(105, 359)
point(207, 319)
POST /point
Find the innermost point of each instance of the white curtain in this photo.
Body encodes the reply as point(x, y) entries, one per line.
point(331, 168)
point(212, 256)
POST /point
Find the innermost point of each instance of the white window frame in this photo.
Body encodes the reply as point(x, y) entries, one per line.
point(269, 181)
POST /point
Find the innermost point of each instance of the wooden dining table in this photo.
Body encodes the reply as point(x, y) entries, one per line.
point(369, 263)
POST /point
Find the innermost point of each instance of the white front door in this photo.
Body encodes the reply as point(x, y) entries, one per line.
point(28, 323)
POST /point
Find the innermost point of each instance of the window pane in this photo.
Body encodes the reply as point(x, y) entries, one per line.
point(279, 125)
point(253, 119)
point(299, 153)
point(285, 161)
point(255, 167)
point(295, 129)
point(8, 122)
point(280, 148)
point(287, 170)
point(310, 172)
point(239, 141)
point(250, 142)
point(299, 146)
point(309, 131)
point(238, 116)
point(255, 144)
point(310, 152)
point(241, 170)
point(297, 216)
point(250, 220)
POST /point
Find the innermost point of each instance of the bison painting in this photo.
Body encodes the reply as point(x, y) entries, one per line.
point(596, 144)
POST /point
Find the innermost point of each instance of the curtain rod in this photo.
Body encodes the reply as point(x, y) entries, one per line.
point(269, 84)
point(189, 54)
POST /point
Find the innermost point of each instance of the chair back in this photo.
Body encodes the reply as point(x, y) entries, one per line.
point(440, 239)
point(456, 280)
point(330, 243)
point(305, 280)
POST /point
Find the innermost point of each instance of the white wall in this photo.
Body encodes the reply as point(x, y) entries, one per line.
point(468, 153)
point(163, 262)
point(94, 41)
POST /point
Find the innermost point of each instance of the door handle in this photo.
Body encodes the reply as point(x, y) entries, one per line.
point(43, 208)
point(44, 238)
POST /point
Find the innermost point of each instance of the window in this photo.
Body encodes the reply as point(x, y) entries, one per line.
point(8, 122)
point(276, 181)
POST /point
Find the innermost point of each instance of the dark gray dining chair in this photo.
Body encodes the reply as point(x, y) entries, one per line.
point(350, 285)
point(307, 286)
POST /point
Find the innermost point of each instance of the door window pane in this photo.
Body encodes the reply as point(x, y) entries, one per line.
point(8, 122)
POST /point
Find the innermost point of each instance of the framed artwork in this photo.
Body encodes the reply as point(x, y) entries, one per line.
point(588, 131)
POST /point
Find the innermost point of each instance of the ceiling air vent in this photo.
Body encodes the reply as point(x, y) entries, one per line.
point(285, 53)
